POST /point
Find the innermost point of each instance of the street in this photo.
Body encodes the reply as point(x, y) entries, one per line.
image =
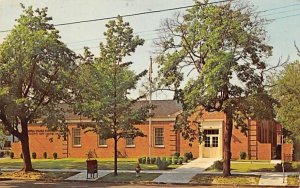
point(63, 184)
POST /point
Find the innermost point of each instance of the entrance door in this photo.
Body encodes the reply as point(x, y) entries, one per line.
point(211, 143)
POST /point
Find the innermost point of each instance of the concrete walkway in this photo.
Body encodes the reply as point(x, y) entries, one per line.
point(271, 179)
point(183, 174)
point(186, 172)
point(83, 176)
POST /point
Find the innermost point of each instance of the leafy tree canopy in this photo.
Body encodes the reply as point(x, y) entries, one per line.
point(35, 68)
point(287, 91)
point(104, 85)
point(220, 49)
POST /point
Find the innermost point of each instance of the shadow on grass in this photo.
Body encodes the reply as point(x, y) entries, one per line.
point(77, 164)
point(129, 177)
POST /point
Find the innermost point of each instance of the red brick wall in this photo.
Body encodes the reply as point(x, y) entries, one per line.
point(213, 115)
point(40, 140)
point(263, 151)
point(39, 143)
point(287, 152)
point(186, 148)
point(239, 143)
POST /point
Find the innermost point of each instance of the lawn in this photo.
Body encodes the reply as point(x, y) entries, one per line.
point(247, 167)
point(251, 161)
point(212, 179)
point(45, 176)
point(293, 180)
point(78, 163)
point(129, 177)
point(252, 167)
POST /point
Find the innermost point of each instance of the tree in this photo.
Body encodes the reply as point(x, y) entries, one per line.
point(104, 86)
point(221, 49)
point(34, 70)
point(3, 138)
point(287, 91)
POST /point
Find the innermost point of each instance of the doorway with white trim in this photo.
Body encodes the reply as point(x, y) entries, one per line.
point(211, 145)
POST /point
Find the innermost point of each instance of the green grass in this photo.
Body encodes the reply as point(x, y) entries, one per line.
point(255, 166)
point(252, 167)
point(212, 179)
point(293, 180)
point(251, 161)
point(78, 163)
point(45, 176)
point(129, 177)
point(247, 167)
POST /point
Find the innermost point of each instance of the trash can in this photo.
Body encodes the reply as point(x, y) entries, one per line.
point(92, 168)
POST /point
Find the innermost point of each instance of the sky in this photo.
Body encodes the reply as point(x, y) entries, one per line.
point(282, 32)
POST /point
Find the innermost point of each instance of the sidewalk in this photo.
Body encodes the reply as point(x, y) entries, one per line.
point(183, 174)
point(186, 172)
point(272, 179)
point(81, 176)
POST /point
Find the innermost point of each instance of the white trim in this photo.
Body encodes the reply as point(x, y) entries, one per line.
point(213, 124)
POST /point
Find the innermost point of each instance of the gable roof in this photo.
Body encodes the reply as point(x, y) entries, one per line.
point(162, 108)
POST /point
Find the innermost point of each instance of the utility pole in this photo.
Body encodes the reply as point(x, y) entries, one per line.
point(150, 110)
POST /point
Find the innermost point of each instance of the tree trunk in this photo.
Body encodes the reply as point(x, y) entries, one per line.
point(25, 148)
point(227, 143)
point(116, 157)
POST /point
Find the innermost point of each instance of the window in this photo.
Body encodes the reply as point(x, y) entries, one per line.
point(215, 141)
point(211, 131)
point(102, 142)
point(129, 141)
point(207, 141)
point(159, 136)
point(76, 137)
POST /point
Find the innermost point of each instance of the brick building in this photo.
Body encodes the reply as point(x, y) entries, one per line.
point(262, 141)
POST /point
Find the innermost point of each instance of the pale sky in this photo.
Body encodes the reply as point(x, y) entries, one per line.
point(281, 33)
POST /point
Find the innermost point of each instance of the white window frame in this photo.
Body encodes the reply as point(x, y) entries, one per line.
point(76, 136)
point(102, 144)
point(159, 137)
point(129, 142)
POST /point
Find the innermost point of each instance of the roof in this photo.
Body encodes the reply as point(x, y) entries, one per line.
point(162, 108)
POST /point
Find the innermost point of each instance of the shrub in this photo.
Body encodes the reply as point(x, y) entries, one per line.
point(218, 165)
point(185, 159)
point(164, 159)
point(153, 160)
point(243, 155)
point(162, 165)
point(189, 155)
point(11, 155)
point(148, 160)
point(21, 155)
point(176, 154)
point(297, 168)
point(140, 160)
point(169, 160)
point(33, 155)
point(287, 167)
point(1, 154)
point(144, 160)
point(175, 161)
point(158, 160)
point(180, 160)
point(45, 155)
point(55, 155)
